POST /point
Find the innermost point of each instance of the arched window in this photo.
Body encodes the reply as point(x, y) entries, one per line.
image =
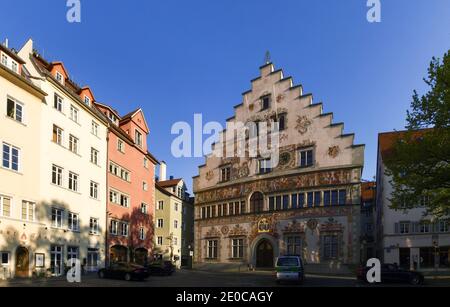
point(257, 202)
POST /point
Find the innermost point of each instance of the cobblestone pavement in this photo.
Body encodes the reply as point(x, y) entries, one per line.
point(185, 278)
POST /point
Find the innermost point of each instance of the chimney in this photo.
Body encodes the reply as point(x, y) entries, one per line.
point(6, 44)
point(162, 171)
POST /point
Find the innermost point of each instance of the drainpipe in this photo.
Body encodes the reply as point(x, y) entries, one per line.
point(107, 200)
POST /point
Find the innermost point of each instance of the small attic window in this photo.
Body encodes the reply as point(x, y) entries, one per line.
point(87, 100)
point(59, 77)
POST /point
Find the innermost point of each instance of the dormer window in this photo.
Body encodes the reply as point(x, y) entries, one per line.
point(112, 118)
point(87, 101)
point(138, 138)
point(59, 77)
point(4, 60)
point(265, 102)
point(14, 67)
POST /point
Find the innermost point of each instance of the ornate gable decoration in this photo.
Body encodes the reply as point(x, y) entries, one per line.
point(238, 230)
point(213, 233)
point(294, 227)
point(331, 226)
point(303, 124)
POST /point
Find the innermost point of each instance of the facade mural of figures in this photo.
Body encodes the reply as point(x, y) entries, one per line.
point(309, 204)
point(409, 238)
point(174, 220)
point(131, 187)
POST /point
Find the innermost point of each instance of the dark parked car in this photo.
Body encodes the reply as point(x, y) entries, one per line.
point(392, 273)
point(164, 268)
point(126, 271)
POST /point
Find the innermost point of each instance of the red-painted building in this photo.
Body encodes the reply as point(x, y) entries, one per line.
point(131, 187)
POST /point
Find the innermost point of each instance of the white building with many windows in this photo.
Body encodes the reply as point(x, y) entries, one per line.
point(407, 237)
point(53, 175)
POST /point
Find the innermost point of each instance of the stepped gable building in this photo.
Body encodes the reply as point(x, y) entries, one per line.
point(309, 204)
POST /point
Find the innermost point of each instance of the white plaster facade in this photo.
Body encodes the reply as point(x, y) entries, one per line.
point(43, 239)
point(420, 248)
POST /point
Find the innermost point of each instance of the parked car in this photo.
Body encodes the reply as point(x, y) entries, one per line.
point(126, 271)
point(290, 268)
point(161, 268)
point(392, 273)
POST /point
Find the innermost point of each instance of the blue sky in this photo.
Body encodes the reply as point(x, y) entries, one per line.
point(177, 58)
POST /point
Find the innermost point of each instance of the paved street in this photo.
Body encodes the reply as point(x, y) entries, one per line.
point(207, 279)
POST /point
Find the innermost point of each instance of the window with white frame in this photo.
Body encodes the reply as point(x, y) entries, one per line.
point(306, 157)
point(405, 227)
point(175, 241)
point(175, 224)
point(11, 157)
point(73, 144)
point(87, 100)
point(119, 171)
point(145, 162)
point(124, 201)
point(93, 191)
point(114, 197)
point(4, 59)
point(443, 226)
point(93, 226)
point(73, 182)
point(14, 110)
point(160, 223)
point(160, 241)
point(94, 156)
point(5, 206)
point(138, 138)
point(57, 218)
point(424, 227)
point(59, 77)
point(212, 249)
point(145, 186)
point(28, 211)
point(74, 113)
point(161, 205)
point(57, 173)
point(14, 66)
point(58, 134)
point(4, 258)
point(144, 208)
point(73, 221)
point(114, 227)
point(73, 252)
point(176, 206)
point(237, 248)
point(142, 233)
point(124, 229)
point(94, 128)
point(120, 146)
point(58, 103)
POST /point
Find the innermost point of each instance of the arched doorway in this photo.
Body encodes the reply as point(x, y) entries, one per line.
point(257, 202)
point(141, 256)
point(22, 262)
point(264, 254)
point(119, 253)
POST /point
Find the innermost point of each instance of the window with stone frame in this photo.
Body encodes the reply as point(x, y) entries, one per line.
point(212, 249)
point(330, 247)
point(225, 174)
point(293, 245)
point(266, 101)
point(237, 248)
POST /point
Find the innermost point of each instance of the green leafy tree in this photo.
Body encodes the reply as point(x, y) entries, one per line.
point(419, 162)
